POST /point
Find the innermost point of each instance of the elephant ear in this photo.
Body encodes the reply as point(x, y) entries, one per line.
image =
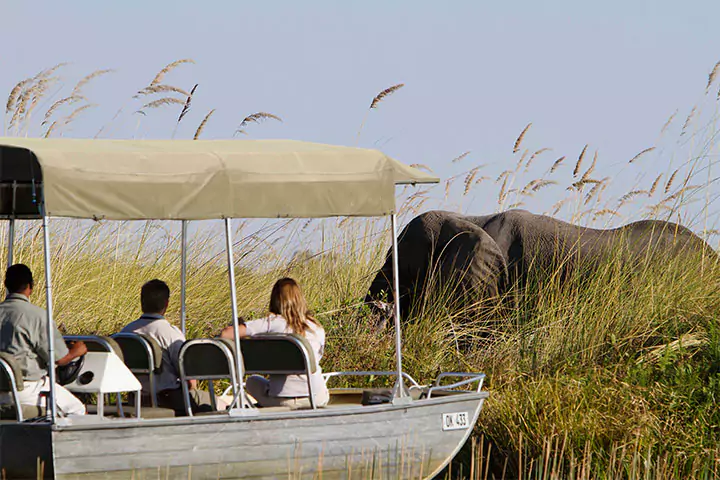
point(467, 255)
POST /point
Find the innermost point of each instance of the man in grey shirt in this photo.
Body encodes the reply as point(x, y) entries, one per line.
point(23, 334)
point(154, 300)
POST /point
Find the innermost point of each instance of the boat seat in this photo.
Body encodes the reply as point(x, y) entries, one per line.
point(142, 354)
point(279, 354)
point(207, 359)
point(97, 343)
point(11, 382)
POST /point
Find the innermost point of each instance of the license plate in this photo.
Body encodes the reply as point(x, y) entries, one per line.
point(455, 421)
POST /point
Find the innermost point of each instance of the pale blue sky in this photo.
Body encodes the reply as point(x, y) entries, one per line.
point(605, 73)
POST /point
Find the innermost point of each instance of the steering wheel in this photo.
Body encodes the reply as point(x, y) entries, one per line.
point(68, 373)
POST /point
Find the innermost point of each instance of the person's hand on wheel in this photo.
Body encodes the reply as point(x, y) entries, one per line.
point(78, 349)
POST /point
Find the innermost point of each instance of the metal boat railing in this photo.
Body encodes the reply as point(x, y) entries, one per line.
point(471, 378)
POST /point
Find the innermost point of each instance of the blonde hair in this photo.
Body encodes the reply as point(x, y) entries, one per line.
point(288, 301)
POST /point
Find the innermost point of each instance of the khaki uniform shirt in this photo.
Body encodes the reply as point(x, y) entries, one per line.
point(23, 334)
point(170, 339)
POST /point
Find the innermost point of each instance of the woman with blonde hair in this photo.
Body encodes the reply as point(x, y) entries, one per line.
point(288, 313)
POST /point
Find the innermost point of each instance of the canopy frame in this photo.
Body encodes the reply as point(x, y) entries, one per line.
point(34, 187)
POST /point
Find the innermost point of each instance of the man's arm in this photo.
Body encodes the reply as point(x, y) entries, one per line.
point(77, 349)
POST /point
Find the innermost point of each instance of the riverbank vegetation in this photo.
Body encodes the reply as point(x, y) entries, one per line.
point(613, 376)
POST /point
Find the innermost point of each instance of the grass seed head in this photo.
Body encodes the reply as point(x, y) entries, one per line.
point(576, 170)
point(161, 74)
point(518, 142)
point(460, 157)
point(557, 164)
point(87, 79)
point(647, 150)
point(200, 128)
point(385, 93)
point(670, 181)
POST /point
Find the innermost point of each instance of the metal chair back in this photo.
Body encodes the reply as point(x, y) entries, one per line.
point(142, 354)
point(207, 359)
point(11, 381)
point(280, 354)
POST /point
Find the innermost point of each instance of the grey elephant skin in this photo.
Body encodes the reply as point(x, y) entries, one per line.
point(486, 255)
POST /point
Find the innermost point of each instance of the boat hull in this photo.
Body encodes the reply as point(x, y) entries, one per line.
point(398, 441)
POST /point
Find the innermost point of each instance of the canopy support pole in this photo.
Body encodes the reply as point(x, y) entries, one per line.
point(183, 278)
point(50, 322)
point(239, 401)
point(11, 242)
point(11, 228)
point(399, 394)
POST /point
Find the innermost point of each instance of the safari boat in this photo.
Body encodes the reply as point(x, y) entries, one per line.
point(409, 431)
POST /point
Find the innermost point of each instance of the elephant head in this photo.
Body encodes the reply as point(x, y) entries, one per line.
point(439, 250)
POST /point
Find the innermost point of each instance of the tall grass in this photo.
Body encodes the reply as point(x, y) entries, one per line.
point(612, 376)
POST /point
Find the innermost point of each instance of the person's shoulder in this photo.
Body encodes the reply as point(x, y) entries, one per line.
point(316, 329)
point(29, 310)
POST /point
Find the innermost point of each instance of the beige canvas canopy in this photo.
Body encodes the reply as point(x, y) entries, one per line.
point(204, 179)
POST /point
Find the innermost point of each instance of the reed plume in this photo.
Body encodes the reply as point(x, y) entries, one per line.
point(160, 88)
point(15, 94)
point(503, 193)
point(188, 101)
point(50, 129)
point(161, 102)
point(654, 185)
point(587, 173)
point(385, 93)
point(632, 194)
point(87, 79)
point(535, 185)
point(668, 122)
point(200, 128)
point(688, 120)
point(503, 175)
point(558, 205)
point(604, 212)
point(256, 118)
point(557, 164)
point(711, 77)
point(680, 192)
point(161, 74)
point(670, 181)
point(460, 157)
point(647, 150)
point(535, 155)
point(518, 142)
point(576, 170)
point(469, 179)
point(77, 112)
point(58, 104)
point(596, 190)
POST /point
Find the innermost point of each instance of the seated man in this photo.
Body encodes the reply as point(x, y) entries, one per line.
point(154, 300)
point(23, 334)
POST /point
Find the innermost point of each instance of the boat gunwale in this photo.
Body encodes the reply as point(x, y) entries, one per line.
point(114, 424)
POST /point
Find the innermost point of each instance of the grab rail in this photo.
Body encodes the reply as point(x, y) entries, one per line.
point(474, 377)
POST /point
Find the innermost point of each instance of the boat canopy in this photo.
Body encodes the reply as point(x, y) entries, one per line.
point(196, 180)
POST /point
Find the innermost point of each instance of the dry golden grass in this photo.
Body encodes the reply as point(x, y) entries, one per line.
point(200, 128)
point(583, 374)
point(518, 142)
point(87, 79)
point(647, 150)
point(385, 93)
point(168, 68)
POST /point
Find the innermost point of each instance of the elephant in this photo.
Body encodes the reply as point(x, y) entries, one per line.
point(486, 255)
